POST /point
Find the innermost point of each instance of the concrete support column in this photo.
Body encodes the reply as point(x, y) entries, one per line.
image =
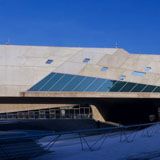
point(96, 115)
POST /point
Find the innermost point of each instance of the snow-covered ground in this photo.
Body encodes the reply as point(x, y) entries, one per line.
point(139, 145)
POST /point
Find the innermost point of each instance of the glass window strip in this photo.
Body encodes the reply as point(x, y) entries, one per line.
point(52, 82)
point(116, 84)
point(73, 84)
point(122, 87)
point(143, 85)
point(128, 87)
point(149, 88)
point(101, 85)
point(55, 83)
point(133, 87)
point(113, 85)
point(68, 83)
point(107, 86)
point(48, 81)
point(60, 84)
point(144, 88)
point(155, 88)
point(54, 74)
point(85, 84)
point(90, 84)
point(40, 83)
point(79, 84)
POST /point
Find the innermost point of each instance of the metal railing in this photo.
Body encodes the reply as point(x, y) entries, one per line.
point(44, 116)
point(126, 134)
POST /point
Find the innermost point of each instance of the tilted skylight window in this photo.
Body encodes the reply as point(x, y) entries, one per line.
point(104, 69)
point(49, 61)
point(147, 69)
point(59, 82)
point(122, 77)
point(86, 60)
point(141, 74)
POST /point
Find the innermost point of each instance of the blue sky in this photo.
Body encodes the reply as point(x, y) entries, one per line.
point(134, 24)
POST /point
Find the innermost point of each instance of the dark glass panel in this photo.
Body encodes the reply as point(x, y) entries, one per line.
point(86, 60)
point(149, 88)
point(95, 85)
point(128, 87)
point(61, 83)
point(85, 83)
point(157, 89)
point(117, 86)
point(138, 88)
point(49, 61)
point(73, 83)
point(106, 86)
point(51, 82)
point(41, 83)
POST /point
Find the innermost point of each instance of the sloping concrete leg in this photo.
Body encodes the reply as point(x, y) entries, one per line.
point(96, 115)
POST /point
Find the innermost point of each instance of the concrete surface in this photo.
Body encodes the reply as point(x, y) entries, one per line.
point(139, 95)
point(6, 108)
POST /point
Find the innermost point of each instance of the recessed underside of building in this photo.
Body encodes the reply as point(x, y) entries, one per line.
point(106, 84)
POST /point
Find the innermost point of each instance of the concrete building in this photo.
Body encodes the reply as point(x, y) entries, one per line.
point(109, 83)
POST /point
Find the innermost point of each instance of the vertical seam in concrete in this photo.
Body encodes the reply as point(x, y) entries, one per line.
point(68, 60)
point(105, 55)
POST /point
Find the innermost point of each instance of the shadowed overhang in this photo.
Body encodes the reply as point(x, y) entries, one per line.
point(80, 98)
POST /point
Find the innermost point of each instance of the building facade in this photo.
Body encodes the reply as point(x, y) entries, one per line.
point(107, 84)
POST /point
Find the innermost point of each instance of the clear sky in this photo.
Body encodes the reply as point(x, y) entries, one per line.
point(134, 24)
